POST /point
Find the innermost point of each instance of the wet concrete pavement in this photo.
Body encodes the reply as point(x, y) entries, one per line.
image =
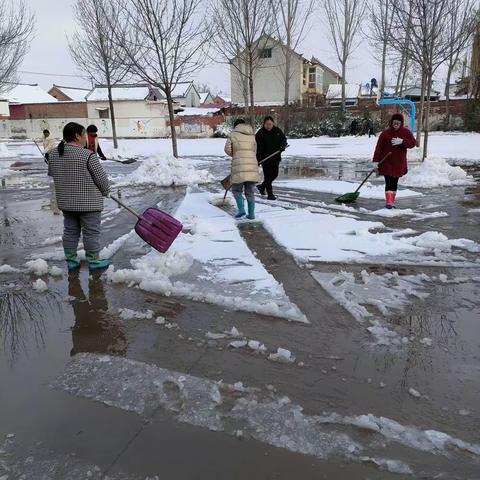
point(58, 435)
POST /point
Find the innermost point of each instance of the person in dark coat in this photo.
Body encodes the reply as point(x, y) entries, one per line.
point(270, 139)
point(395, 139)
point(92, 141)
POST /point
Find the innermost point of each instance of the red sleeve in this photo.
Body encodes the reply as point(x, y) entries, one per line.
point(409, 140)
point(377, 156)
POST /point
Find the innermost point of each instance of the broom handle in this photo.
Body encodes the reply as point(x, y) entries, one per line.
point(269, 157)
point(373, 170)
point(133, 212)
point(39, 149)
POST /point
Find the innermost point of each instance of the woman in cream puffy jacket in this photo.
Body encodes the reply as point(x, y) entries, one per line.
point(242, 147)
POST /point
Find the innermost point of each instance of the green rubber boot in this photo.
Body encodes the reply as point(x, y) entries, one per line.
point(94, 263)
point(251, 210)
point(241, 207)
point(73, 262)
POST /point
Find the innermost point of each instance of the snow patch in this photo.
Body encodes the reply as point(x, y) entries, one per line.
point(340, 187)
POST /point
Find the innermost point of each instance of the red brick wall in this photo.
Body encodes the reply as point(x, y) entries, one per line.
point(366, 105)
point(49, 110)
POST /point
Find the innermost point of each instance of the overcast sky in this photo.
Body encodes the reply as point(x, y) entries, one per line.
point(49, 51)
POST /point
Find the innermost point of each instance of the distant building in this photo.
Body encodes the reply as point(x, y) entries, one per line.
point(27, 93)
point(186, 95)
point(415, 94)
point(334, 95)
point(69, 94)
point(140, 110)
point(206, 98)
point(309, 80)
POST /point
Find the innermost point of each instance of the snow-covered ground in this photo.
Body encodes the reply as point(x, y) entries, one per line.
point(317, 237)
point(452, 146)
point(210, 263)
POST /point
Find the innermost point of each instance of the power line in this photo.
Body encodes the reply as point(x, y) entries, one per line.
point(48, 74)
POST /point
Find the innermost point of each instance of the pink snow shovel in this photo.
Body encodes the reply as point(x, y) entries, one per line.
point(157, 228)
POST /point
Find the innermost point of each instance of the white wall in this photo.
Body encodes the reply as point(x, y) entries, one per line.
point(269, 79)
point(137, 127)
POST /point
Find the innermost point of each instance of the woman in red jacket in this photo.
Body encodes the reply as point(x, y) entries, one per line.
point(395, 139)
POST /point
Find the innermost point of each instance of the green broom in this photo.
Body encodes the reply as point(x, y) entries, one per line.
point(352, 196)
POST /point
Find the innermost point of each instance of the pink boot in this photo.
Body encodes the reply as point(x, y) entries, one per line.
point(390, 199)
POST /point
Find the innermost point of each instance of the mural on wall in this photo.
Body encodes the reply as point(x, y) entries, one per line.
point(103, 127)
point(141, 126)
point(192, 127)
point(4, 132)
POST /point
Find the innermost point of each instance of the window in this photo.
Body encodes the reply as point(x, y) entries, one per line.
point(105, 113)
point(266, 53)
point(312, 77)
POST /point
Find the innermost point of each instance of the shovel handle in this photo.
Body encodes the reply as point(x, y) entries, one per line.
point(372, 171)
point(133, 212)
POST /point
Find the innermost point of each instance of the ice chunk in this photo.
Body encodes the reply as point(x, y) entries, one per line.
point(238, 343)
point(426, 341)
point(40, 286)
point(282, 355)
point(414, 393)
point(215, 336)
point(38, 267)
point(160, 321)
point(7, 269)
point(256, 346)
point(127, 314)
point(55, 271)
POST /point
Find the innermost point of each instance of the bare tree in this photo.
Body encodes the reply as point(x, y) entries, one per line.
point(474, 83)
point(426, 23)
point(16, 30)
point(381, 19)
point(460, 28)
point(240, 31)
point(344, 19)
point(164, 42)
point(94, 50)
point(404, 54)
point(291, 22)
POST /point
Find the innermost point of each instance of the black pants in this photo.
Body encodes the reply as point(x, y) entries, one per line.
point(391, 183)
point(270, 173)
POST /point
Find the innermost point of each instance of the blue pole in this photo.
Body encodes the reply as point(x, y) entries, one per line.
point(402, 102)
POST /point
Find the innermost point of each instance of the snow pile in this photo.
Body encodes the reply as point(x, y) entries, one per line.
point(436, 172)
point(340, 187)
point(211, 263)
point(166, 171)
point(40, 286)
point(123, 152)
point(4, 152)
point(127, 314)
point(7, 269)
